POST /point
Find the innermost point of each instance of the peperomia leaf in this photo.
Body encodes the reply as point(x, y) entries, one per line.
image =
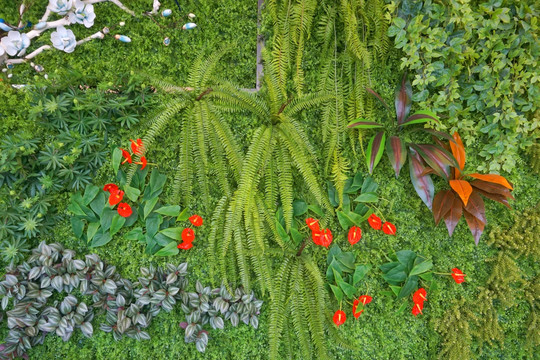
point(397, 154)
point(403, 99)
point(375, 150)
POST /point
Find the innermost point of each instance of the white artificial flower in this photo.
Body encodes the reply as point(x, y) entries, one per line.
point(15, 43)
point(64, 39)
point(60, 7)
point(2, 51)
point(83, 14)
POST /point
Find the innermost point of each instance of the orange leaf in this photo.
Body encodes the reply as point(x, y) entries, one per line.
point(493, 178)
point(462, 188)
point(458, 150)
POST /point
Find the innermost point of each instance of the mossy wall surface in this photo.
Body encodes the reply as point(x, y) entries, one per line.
point(380, 333)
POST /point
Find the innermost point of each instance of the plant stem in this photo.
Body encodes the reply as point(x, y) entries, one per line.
point(302, 247)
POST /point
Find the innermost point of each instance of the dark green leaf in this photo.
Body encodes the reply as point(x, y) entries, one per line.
point(169, 250)
point(152, 224)
point(100, 239)
point(171, 210)
point(337, 292)
point(89, 194)
point(395, 289)
point(77, 225)
point(135, 234)
point(132, 193)
point(348, 289)
point(92, 230)
point(369, 185)
point(106, 218)
point(149, 206)
point(296, 236)
point(299, 207)
point(410, 285)
point(116, 159)
point(117, 223)
point(174, 233)
point(367, 197)
point(421, 268)
point(347, 259)
point(98, 204)
point(316, 209)
point(406, 257)
point(360, 272)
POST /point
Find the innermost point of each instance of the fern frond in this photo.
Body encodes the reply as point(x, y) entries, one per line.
point(217, 224)
point(340, 169)
point(278, 306)
point(285, 182)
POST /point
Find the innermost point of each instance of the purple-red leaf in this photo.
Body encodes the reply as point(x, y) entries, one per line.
point(363, 124)
point(437, 158)
point(395, 149)
point(403, 99)
point(421, 116)
point(492, 188)
point(475, 207)
point(372, 92)
point(453, 215)
point(493, 178)
point(495, 197)
point(440, 134)
point(476, 226)
point(442, 204)
point(375, 150)
point(422, 183)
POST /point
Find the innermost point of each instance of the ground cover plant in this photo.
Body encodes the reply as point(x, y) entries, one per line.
point(266, 190)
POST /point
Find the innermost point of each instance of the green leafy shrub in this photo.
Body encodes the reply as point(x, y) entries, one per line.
point(476, 62)
point(40, 294)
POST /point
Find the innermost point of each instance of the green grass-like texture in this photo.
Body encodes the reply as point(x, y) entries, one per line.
point(379, 333)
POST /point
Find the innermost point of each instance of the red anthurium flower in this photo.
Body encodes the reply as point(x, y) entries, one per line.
point(124, 210)
point(127, 156)
point(143, 162)
point(389, 228)
point(420, 295)
point(316, 236)
point(188, 235)
point(374, 221)
point(116, 197)
point(417, 309)
point(355, 234)
point(458, 275)
point(339, 317)
point(354, 307)
point(313, 224)
point(112, 188)
point(196, 220)
point(185, 246)
point(325, 238)
point(365, 299)
point(135, 146)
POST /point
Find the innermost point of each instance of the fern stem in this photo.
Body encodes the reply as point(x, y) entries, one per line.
point(302, 247)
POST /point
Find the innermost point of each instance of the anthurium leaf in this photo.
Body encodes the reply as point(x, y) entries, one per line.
point(354, 184)
point(410, 285)
point(152, 224)
point(299, 207)
point(89, 194)
point(100, 239)
point(403, 99)
point(92, 230)
point(369, 185)
point(359, 273)
point(169, 250)
point(388, 266)
point(116, 224)
point(397, 154)
point(421, 268)
point(452, 217)
point(337, 292)
point(282, 233)
point(132, 193)
point(375, 150)
point(367, 197)
point(362, 123)
point(406, 257)
point(135, 234)
point(396, 275)
point(347, 288)
point(334, 251)
point(395, 289)
point(184, 215)
point(98, 204)
point(174, 233)
point(149, 206)
point(422, 183)
point(442, 204)
point(372, 92)
point(76, 208)
point(475, 207)
point(337, 275)
point(77, 225)
point(171, 210)
point(463, 189)
point(348, 218)
point(347, 259)
point(420, 117)
point(332, 194)
point(131, 219)
point(426, 276)
point(316, 209)
point(492, 178)
point(475, 225)
point(116, 159)
point(163, 240)
point(401, 308)
point(106, 218)
point(296, 236)
point(387, 293)
point(155, 186)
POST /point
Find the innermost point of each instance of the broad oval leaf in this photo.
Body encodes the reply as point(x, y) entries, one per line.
point(462, 188)
point(116, 224)
point(422, 183)
point(171, 210)
point(403, 99)
point(367, 197)
point(375, 150)
point(421, 268)
point(442, 204)
point(364, 124)
point(360, 272)
point(452, 217)
point(475, 225)
point(132, 193)
point(475, 207)
point(174, 233)
point(410, 285)
point(492, 178)
point(397, 154)
point(337, 292)
point(170, 249)
point(437, 158)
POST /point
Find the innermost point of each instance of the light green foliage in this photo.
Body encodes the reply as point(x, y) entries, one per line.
point(477, 63)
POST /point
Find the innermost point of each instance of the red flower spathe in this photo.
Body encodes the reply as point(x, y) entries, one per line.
point(325, 238)
point(116, 197)
point(196, 220)
point(356, 314)
point(339, 317)
point(136, 146)
point(188, 235)
point(313, 224)
point(355, 234)
point(389, 228)
point(420, 296)
point(127, 156)
point(110, 188)
point(185, 246)
point(458, 275)
point(374, 221)
point(124, 210)
point(365, 299)
point(417, 309)
point(143, 162)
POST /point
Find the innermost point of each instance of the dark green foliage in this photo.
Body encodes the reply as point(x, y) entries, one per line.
point(343, 274)
point(476, 62)
point(29, 292)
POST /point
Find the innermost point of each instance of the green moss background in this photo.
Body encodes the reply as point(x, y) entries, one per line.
point(379, 333)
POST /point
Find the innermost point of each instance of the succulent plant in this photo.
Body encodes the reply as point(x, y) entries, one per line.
point(28, 291)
